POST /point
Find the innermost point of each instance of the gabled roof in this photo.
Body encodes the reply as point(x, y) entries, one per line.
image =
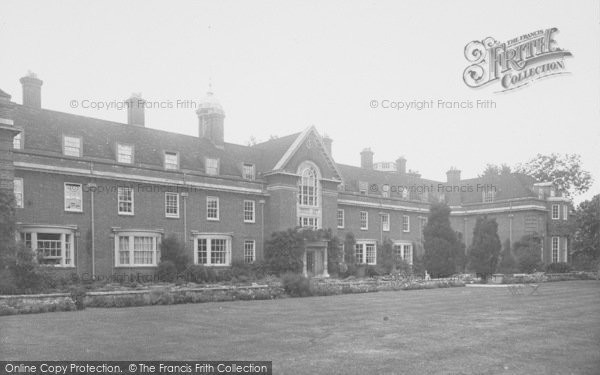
point(300, 139)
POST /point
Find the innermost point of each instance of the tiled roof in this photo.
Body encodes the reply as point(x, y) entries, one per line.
point(508, 186)
point(44, 129)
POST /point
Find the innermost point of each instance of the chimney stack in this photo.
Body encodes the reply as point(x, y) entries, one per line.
point(401, 165)
point(135, 110)
point(366, 158)
point(32, 90)
point(327, 142)
point(453, 189)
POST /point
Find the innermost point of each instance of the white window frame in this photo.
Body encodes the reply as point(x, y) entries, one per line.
point(170, 214)
point(489, 196)
point(119, 153)
point(67, 151)
point(405, 223)
point(565, 251)
point(364, 220)
point(211, 198)
point(119, 200)
point(385, 223)
point(252, 211)
point(555, 249)
point(209, 239)
point(170, 166)
point(363, 187)
point(341, 218)
point(308, 222)
point(68, 209)
point(132, 235)
point(249, 246)
point(400, 249)
point(360, 247)
point(555, 212)
point(18, 141)
point(66, 246)
point(18, 192)
point(248, 176)
point(212, 170)
point(565, 212)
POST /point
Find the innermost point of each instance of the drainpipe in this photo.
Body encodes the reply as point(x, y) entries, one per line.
point(92, 187)
point(262, 227)
point(184, 195)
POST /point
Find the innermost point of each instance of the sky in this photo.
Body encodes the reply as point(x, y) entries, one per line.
point(278, 67)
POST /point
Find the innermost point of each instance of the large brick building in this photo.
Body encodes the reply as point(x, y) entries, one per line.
point(97, 197)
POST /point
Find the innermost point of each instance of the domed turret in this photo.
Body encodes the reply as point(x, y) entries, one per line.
point(211, 118)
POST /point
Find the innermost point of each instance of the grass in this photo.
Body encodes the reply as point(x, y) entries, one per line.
point(438, 331)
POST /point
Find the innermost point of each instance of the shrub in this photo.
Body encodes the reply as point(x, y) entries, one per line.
point(78, 297)
point(558, 268)
point(197, 273)
point(171, 249)
point(527, 251)
point(508, 263)
point(296, 285)
point(167, 271)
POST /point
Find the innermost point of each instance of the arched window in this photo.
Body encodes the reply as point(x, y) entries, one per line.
point(308, 187)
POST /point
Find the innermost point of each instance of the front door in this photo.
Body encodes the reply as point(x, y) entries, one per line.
point(310, 263)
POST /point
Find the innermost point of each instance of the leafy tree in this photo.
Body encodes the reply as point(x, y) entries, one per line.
point(565, 171)
point(485, 249)
point(349, 242)
point(508, 263)
point(528, 253)
point(442, 248)
point(385, 256)
point(586, 239)
point(496, 170)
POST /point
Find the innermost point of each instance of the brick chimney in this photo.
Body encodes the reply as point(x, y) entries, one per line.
point(327, 142)
point(401, 165)
point(453, 187)
point(32, 90)
point(7, 133)
point(366, 158)
point(135, 110)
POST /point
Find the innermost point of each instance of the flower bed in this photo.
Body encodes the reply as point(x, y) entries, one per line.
point(36, 303)
point(324, 287)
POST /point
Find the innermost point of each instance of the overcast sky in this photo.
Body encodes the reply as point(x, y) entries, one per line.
point(278, 67)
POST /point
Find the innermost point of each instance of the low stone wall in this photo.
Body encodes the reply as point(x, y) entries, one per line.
point(37, 303)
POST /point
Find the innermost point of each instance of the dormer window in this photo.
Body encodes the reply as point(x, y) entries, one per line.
point(124, 153)
point(489, 196)
point(248, 171)
point(362, 187)
point(212, 166)
point(71, 146)
point(171, 160)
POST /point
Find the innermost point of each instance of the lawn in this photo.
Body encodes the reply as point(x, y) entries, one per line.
point(438, 331)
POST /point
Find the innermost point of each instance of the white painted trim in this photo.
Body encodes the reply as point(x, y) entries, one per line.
point(6, 121)
point(381, 206)
point(499, 209)
point(296, 145)
point(134, 178)
point(282, 187)
point(558, 199)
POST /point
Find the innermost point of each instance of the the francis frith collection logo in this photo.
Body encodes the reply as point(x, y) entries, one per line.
point(514, 63)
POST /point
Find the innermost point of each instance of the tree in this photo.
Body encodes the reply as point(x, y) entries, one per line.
point(528, 251)
point(565, 171)
point(442, 248)
point(508, 263)
point(485, 248)
point(586, 239)
point(496, 170)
